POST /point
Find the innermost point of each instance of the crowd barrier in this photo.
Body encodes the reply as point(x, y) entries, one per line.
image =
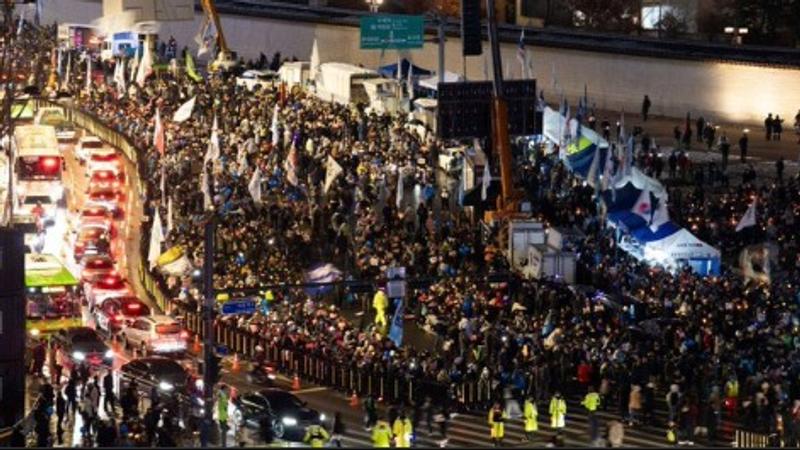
point(392, 387)
point(749, 439)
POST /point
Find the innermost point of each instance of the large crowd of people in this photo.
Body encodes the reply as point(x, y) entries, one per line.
point(712, 348)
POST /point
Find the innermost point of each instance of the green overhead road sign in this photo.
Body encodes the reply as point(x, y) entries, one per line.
point(392, 32)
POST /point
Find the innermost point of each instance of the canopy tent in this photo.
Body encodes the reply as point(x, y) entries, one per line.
point(645, 234)
point(390, 70)
point(682, 247)
point(642, 182)
point(432, 82)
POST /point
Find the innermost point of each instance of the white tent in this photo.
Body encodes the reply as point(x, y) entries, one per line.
point(643, 182)
point(681, 245)
point(433, 81)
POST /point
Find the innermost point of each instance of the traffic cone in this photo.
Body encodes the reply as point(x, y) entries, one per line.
point(354, 400)
point(296, 383)
point(235, 366)
point(196, 348)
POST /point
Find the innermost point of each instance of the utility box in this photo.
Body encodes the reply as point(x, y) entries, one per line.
point(521, 235)
point(545, 261)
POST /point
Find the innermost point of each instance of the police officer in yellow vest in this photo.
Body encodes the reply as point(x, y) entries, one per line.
point(530, 414)
point(380, 302)
point(381, 435)
point(403, 430)
point(558, 411)
point(591, 402)
point(316, 436)
point(497, 418)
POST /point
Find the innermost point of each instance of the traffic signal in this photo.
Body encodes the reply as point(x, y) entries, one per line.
point(471, 27)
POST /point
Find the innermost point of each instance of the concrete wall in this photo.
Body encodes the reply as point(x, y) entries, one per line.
point(720, 91)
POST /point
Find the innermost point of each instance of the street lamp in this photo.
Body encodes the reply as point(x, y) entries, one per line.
point(736, 33)
point(374, 5)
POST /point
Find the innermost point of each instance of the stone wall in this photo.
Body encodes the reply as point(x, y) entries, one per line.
point(721, 91)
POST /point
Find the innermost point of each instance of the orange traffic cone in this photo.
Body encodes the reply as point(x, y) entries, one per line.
point(235, 366)
point(296, 383)
point(354, 400)
point(196, 348)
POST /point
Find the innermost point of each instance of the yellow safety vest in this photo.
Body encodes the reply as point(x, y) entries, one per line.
point(496, 424)
point(530, 414)
point(316, 436)
point(591, 401)
point(403, 429)
point(732, 388)
point(381, 435)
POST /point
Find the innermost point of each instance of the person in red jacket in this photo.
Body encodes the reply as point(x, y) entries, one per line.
point(584, 373)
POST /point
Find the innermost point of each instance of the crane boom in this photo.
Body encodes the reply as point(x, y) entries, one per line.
point(224, 59)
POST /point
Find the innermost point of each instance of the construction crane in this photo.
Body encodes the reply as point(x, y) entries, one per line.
point(225, 61)
point(509, 199)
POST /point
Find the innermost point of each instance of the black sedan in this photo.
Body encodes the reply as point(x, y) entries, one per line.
point(82, 345)
point(163, 373)
point(288, 415)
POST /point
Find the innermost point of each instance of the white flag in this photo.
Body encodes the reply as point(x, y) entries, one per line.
point(273, 129)
point(145, 68)
point(399, 74)
point(185, 111)
point(400, 188)
point(486, 181)
point(332, 170)
point(410, 83)
point(69, 71)
point(119, 77)
point(314, 65)
point(135, 64)
point(291, 166)
point(661, 216)
point(748, 219)
point(254, 186)
point(58, 69)
point(213, 151)
point(156, 238)
point(205, 188)
point(170, 223)
point(88, 73)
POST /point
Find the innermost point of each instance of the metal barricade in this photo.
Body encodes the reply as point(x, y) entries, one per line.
point(749, 439)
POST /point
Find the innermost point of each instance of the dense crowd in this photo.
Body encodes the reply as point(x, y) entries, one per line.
point(640, 336)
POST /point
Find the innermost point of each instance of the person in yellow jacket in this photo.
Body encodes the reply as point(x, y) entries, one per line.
point(403, 429)
point(497, 418)
point(530, 414)
point(591, 402)
point(558, 411)
point(380, 302)
point(316, 436)
point(382, 435)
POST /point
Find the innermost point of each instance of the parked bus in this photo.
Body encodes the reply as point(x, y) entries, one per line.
point(53, 302)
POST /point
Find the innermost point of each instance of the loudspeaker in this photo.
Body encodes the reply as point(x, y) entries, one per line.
point(471, 27)
point(12, 261)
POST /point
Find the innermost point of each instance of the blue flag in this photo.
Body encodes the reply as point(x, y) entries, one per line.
point(396, 330)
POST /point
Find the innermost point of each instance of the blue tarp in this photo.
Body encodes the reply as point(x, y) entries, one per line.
point(390, 70)
point(626, 197)
point(645, 234)
point(627, 220)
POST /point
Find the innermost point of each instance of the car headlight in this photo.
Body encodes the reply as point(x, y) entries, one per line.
point(109, 354)
point(289, 421)
point(198, 383)
point(322, 417)
point(78, 356)
point(165, 386)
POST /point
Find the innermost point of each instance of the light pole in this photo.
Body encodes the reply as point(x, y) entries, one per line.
point(374, 5)
point(736, 34)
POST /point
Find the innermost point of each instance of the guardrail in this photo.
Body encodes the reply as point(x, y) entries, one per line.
point(749, 439)
point(349, 378)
